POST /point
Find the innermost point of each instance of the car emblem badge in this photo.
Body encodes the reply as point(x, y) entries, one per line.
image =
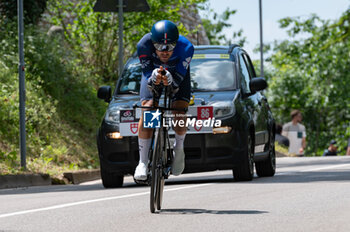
point(134, 127)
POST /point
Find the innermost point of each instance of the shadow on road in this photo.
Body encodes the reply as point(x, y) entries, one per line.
point(306, 177)
point(196, 180)
point(288, 177)
point(283, 177)
point(206, 211)
point(51, 189)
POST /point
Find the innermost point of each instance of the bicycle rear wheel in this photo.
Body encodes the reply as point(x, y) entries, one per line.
point(156, 172)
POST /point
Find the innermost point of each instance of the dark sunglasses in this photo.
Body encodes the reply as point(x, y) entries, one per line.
point(164, 47)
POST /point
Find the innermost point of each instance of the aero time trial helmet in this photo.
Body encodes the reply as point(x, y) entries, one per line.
point(164, 35)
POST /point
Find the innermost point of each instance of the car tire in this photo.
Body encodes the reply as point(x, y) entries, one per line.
point(245, 171)
point(111, 180)
point(267, 167)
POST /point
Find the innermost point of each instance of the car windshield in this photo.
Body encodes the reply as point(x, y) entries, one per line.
point(206, 75)
point(212, 74)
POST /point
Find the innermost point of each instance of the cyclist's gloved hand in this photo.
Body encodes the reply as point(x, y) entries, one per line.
point(167, 78)
point(159, 78)
point(156, 77)
point(154, 83)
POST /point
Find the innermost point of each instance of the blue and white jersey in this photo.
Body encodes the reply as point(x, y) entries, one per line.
point(177, 65)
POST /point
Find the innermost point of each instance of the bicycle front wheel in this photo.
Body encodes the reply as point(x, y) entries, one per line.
point(162, 165)
point(156, 172)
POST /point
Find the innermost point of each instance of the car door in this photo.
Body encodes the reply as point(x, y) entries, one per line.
point(249, 100)
point(252, 101)
point(261, 125)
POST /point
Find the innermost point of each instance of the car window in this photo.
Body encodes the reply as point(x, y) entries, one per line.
point(249, 65)
point(245, 76)
point(131, 79)
point(212, 74)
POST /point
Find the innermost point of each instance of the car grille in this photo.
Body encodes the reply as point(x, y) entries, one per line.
point(193, 153)
point(219, 152)
point(118, 157)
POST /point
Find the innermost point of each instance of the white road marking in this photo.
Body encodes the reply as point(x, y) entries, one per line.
point(328, 167)
point(314, 169)
point(94, 200)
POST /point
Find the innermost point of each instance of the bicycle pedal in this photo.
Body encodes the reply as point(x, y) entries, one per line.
point(166, 172)
point(143, 182)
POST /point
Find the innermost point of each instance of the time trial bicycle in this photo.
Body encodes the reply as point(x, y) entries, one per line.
point(160, 153)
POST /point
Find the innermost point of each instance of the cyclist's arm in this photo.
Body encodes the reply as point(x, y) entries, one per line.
point(145, 56)
point(184, 62)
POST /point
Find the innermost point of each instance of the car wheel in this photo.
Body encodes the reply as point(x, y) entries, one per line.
point(245, 171)
point(267, 167)
point(111, 180)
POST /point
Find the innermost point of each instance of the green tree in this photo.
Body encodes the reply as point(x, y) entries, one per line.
point(214, 24)
point(94, 36)
point(33, 9)
point(311, 74)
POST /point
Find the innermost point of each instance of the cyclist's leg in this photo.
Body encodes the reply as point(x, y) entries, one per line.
point(180, 100)
point(144, 135)
point(180, 130)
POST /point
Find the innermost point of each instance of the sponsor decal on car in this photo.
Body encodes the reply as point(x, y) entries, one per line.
point(198, 119)
point(211, 56)
point(134, 127)
point(127, 116)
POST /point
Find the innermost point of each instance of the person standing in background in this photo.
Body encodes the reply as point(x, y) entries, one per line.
point(332, 149)
point(348, 149)
point(282, 140)
point(296, 134)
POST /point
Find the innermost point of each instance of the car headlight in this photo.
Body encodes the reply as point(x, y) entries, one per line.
point(223, 108)
point(113, 115)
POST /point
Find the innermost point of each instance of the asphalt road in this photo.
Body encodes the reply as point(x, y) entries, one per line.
point(306, 194)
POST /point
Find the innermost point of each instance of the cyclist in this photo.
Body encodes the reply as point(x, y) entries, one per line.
point(164, 50)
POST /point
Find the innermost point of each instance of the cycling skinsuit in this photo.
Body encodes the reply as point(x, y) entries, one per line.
point(177, 65)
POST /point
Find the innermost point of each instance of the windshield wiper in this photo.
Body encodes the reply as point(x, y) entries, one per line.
point(129, 92)
point(201, 90)
point(133, 92)
point(212, 90)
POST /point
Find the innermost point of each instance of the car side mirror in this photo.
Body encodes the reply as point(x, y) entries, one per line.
point(257, 84)
point(105, 93)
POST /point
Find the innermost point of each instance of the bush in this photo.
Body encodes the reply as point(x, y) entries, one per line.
point(62, 110)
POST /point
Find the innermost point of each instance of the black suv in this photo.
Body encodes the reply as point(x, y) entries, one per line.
point(221, 77)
